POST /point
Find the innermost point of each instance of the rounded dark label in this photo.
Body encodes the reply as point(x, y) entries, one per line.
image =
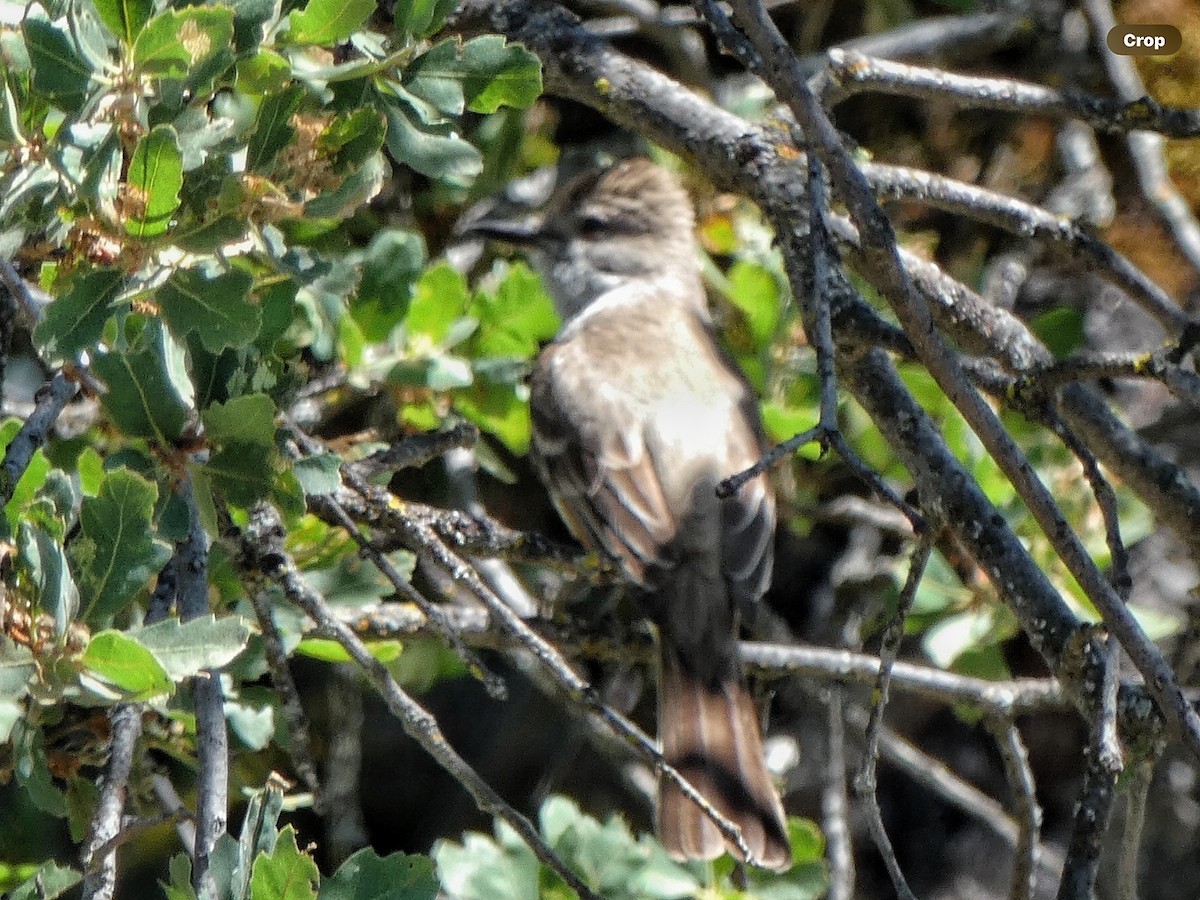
point(1145, 40)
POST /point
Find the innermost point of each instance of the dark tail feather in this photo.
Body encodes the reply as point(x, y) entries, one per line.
point(711, 736)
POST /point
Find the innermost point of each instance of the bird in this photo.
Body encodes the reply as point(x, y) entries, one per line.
point(637, 415)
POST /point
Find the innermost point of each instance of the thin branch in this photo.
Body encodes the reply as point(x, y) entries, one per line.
point(835, 807)
point(1027, 811)
point(933, 775)
point(168, 799)
point(415, 450)
point(99, 855)
point(133, 828)
point(1028, 221)
point(261, 543)
point(32, 301)
point(343, 819)
point(474, 534)
point(51, 399)
point(865, 782)
point(425, 543)
point(1137, 789)
point(851, 73)
point(299, 747)
point(212, 737)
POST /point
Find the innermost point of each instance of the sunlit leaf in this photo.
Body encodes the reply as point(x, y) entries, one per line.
point(285, 874)
point(328, 21)
point(60, 72)
point(76, 319)
point(125, 18)
point(397, 876)
point(124, 663)
point(153, 183)
point(217, 308)
point(141, 399)
point(178, 42)
point(117, 553)
point(186, 648)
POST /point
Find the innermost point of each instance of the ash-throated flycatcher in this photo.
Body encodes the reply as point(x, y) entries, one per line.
point(637, 416)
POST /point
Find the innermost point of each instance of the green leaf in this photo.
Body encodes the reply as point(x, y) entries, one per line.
point(153, 183)
point(124, 663)
point(17, 666)
point(253, 723)
point(754, 290)
point(1059, 329)
point(328, 21)
point(216, 308)
point(83, 798)
point(353, 138)
point(367, 876)
point(480, 869)
point(331, 651)
point(260, 828)
point(263, 73)
point(75, 321)
point(176, 43)
point(433, 150)
point(517, 318)
point(51, 576)
point(499, 411)
point(186, 648)
point(808, 878)
point(248, 419)
point(141, 400)
point(117, 553)
point(125, 18)
point(482, 75)
point(440, 298)
point(60, 73)
point(244, 472)
point(49, 882)
point(32, 771)
point(320, 474)
point(391, 266)
point(287, 874)
point(421, 18)
point(272, 128)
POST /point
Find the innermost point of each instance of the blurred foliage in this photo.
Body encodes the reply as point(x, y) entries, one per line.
point(614, 863)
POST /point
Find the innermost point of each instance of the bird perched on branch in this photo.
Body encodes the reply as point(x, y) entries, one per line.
point(638, 415)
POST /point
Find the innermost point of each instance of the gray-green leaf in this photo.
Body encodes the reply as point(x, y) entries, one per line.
point(117, 552)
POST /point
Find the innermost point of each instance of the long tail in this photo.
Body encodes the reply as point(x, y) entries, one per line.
point(710, 734)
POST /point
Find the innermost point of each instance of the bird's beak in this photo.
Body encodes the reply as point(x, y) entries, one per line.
point(520, 234)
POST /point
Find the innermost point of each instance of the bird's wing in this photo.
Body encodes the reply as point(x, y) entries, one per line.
point(590, 451)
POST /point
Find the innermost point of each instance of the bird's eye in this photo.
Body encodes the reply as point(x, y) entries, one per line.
point(591, 225)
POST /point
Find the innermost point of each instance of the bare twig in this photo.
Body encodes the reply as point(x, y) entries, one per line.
point(1137, 788)
point(100, 859)
point(50, 401)
point(865, 782)
point(299, 747)
point(212, 738)
point(1025, 220)
point(1028, 812)
point(937, 778)
point(345, 825)
point(416, 450)
point(835, 811)
point(261, 543)
point(850, 73)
